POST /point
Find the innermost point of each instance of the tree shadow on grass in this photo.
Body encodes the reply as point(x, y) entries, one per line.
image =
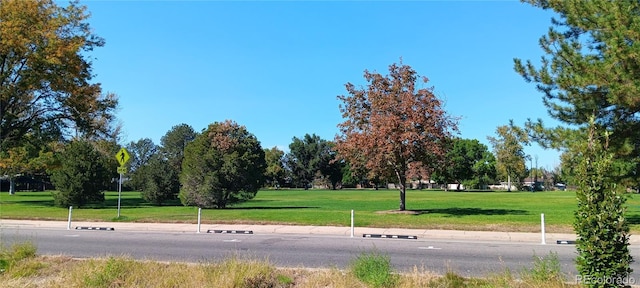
point(47, 203)
point(270, 208)
point(459, 212)
point(633, 219)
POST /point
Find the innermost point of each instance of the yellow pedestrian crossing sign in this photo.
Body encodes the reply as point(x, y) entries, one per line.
point(122, 156)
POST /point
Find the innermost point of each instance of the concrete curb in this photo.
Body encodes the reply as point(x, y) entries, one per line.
point(310, 230)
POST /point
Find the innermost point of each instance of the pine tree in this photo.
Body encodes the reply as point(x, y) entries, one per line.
point(82, 176)
point(590, 79)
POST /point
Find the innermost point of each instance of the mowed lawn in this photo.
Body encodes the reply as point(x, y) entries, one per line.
point(426, 209)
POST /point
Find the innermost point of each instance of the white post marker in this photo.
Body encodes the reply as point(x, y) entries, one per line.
point(352, 224)
point(199, 214)
point(69, 221)
point(544, 241)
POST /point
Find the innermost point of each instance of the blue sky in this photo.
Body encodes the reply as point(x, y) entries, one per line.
point(277, 67)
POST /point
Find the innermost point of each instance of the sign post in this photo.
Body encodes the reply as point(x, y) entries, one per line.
point(122, 156)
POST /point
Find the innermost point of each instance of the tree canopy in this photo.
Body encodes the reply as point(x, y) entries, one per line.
point(509, 151)
point(468, 162)
point(174, 142)
point(45, 73)
point(590, 69)
point(308, 157)
point(224, 165)
point(275, 172)
point(392, 127)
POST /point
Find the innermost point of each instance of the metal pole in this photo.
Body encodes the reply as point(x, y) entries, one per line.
point(352, 224)
point(544, 241)
point(69, 221)
point(199, 214)
point(119, 193)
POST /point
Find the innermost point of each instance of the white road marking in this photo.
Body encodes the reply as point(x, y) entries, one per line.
point(429, 248)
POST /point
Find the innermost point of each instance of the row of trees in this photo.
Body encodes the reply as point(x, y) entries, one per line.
point(55, 121)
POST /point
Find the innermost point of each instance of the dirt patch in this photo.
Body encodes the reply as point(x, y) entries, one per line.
point(405, 212)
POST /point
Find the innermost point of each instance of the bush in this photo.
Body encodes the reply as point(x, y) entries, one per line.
point(603, 231)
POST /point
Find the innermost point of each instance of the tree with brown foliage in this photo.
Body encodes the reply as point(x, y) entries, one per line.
point(393, 128)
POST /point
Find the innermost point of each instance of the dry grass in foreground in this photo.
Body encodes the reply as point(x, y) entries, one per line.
point(21, 267)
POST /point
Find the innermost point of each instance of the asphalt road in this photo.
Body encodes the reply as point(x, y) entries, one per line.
point(467, 258)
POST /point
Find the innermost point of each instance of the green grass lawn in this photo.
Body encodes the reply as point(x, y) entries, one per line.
point(427, 209)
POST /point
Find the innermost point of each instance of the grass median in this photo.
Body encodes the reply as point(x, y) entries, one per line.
point(426, 209)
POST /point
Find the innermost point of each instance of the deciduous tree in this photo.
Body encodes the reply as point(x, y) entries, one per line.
point(141, 153)
point(393, 127)
point(275, 172)
point(45, 73)
point(309, 156)
point(509, 151)
point(224, 165)
point(468, 161)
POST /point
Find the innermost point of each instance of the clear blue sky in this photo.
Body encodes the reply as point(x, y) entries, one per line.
point(277, 67)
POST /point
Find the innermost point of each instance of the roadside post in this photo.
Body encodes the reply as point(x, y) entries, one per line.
point(69, 221)
point(352, 224)
point(544, 241)
point(199, 217)
point(123, 157)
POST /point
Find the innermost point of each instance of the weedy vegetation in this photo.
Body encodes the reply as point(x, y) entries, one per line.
point(22, 267)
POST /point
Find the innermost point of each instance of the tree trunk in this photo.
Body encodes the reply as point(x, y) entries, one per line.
point(402, 197)
point(402, 180)
point(508, 183)
point(12, 186)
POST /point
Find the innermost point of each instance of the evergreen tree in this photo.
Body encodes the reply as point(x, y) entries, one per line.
point(224, 165)
point(591, 69)
point(589, 78)
point(162, 182)
point(82, 175)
